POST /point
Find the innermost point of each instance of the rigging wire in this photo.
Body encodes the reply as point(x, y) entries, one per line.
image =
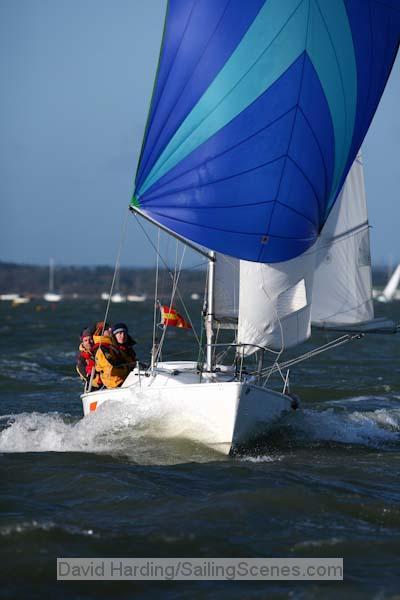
point(174, 287)
point(116, 268)
point(315, 352)
point(172, 277)
point(153, 347)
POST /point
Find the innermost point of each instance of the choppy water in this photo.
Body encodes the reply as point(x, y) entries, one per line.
point(324, 483)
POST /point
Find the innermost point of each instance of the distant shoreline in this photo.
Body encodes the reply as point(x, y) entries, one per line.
point(89, 282)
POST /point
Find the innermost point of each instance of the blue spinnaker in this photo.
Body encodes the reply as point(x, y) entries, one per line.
point(258, 112)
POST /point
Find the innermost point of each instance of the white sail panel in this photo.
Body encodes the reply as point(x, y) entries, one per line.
point(391, 286)
point(226, 290)
point(275, 303)
point(342, 292)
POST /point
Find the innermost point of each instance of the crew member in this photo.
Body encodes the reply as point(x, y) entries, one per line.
point(124, 342)
point(112, 364)
point(85, 362)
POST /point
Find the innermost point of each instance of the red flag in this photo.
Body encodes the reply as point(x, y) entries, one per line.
point(171, 318)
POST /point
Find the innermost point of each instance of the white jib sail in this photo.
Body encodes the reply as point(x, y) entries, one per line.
point(330, 283)
point(275, 303)
point(342, 291)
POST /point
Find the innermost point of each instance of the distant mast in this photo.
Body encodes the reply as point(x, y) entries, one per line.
point(51, 295)
point(51, 275)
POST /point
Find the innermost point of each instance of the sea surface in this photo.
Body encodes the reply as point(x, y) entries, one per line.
point(324, 483)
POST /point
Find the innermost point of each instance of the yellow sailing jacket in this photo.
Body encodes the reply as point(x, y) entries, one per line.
point(110, 362)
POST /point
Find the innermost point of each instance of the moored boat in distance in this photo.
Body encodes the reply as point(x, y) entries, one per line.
point(136, 297)
point(20, 300)
point(391, 292)
point(118, 298)
point(51, 295)
point(8, 297)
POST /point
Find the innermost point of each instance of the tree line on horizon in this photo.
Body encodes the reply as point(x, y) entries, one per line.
point(90, 281)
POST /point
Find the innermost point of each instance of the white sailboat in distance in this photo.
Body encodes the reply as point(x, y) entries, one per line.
point(117, 297)
point(255, 122)
point(136, 297)
point(51, 295)
point(390, 291)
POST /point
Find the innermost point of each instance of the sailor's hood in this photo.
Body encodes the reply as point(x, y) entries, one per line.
point(103, 340)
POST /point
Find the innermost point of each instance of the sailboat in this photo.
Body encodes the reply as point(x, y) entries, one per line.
point(117, 297)
point(20, 300)
point(390, 291)
point(258, 113)
point(51, 295)
point(136, 297)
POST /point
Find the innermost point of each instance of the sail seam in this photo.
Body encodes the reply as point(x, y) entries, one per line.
point(321, 154)
point(151, 112)
point(291, 135)
point(188, 81)
point(387, 5)
point(336, 180)
point(344, 312)
point(307, 238)
point(270, 124)
point(223, 98)
point(167, 77)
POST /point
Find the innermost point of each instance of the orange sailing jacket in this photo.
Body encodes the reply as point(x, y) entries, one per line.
point(110, 362)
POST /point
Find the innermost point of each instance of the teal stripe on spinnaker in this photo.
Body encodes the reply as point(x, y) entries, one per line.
point(280, 33)
point(331, 50)
point(272, 43)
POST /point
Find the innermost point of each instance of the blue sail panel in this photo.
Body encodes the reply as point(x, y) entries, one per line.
point(198, 39)
point(258, 111)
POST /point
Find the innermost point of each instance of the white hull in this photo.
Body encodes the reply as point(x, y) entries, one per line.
point(52, 297)
point(136, 298)
point(218, 412)
point(118, 298)
point(20, 300)
point(8, 297)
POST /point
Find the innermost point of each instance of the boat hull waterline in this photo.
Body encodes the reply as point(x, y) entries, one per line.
point(217, 412)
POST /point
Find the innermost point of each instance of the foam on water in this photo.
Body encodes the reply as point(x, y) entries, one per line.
point(263, 458)
point(115, 428)
point(134, 429)
point(57, 432)
point(23, 370)
point(29, 526)
point(372, 428)
point(49, 432)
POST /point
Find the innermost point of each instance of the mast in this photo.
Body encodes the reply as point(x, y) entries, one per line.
point(117, 280)
point(210, 310)
point(51, 275)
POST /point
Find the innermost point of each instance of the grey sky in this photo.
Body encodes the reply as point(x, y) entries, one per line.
point(76, 81)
